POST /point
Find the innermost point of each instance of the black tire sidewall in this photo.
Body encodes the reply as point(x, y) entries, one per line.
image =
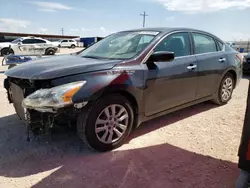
point(5, 51)
point(99, 106)
point(228, 75)
point(50, 52)
point(73, 46)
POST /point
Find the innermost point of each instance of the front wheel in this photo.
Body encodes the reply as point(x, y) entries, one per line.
point(73, 46)
point(224, 94)
point(106, 124)
point(6, 51)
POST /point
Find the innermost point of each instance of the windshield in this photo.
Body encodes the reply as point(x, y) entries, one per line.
point(17, 40)
point(123, 45)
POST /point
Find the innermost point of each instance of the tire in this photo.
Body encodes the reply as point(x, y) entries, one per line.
point(6, 51)
point(86, 123)
point(50, 51)
point(220, 100)
point(73, 46)
point(59, 46)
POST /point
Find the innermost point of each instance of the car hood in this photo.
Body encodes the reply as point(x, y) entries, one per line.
point(58, 66)
point(5, 44)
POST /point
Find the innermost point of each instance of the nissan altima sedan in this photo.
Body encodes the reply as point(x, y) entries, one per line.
point(123, 80)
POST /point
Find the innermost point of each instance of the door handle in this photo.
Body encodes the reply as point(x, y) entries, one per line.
point(222, 60)
point(192, 67)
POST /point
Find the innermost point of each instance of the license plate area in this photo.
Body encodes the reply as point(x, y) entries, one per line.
point(17, 96)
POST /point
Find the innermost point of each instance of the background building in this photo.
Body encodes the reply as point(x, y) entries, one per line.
point(8, 37)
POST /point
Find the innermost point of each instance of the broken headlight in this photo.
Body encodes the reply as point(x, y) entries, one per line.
point(56, 97)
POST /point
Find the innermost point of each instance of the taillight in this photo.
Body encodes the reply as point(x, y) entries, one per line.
point(240, 57)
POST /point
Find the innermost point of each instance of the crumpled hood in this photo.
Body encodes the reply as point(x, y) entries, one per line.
point(58, 66)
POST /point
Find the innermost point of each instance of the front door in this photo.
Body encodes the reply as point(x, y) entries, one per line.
point(170, 84)
point(211, 63)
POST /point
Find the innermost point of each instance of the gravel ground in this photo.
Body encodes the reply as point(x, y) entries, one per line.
point(194, 147)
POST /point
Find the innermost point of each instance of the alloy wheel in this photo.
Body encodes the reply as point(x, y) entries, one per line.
point(111, 123)
point(227, 89)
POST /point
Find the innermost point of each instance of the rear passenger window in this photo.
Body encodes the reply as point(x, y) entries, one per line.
point(178, 43)
point(203, 43)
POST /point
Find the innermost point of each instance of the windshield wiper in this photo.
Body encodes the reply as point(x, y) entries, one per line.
point(92, 57)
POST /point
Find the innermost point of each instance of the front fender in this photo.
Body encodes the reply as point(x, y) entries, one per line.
point(100, 83)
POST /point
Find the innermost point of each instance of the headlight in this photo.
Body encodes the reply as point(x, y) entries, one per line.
point(56, 97)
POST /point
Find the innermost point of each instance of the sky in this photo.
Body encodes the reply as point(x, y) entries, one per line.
point(228, 19)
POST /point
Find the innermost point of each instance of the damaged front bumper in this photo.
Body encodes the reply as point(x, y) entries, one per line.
point(40, 119)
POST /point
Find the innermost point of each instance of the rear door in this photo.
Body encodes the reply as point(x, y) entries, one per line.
point(212, 62)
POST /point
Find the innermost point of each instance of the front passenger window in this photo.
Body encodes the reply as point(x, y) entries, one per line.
point(178, 43)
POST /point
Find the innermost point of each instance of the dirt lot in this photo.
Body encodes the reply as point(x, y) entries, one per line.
point(194, 147)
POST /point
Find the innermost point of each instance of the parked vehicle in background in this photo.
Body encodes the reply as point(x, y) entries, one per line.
point(28, 46)
point(123, 80)
point(69, 43)
point(233, 45)
point(246, 63)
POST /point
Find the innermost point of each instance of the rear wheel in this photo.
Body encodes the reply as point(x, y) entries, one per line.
point(73, 46)
point(50, 51)
point(106, 124)
point(224, 94)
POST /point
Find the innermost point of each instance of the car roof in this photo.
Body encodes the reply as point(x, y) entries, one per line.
point(170, 29)
point(32, 38)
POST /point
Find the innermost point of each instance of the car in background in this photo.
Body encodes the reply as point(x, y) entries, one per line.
point(127, 78)
point(233, 45)
point(67, 43)
point(28, 46)
point(246, 64)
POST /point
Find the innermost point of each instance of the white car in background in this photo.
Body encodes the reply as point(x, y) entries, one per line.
point(28, 46)
point(67, 43)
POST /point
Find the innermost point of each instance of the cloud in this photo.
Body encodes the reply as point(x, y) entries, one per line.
point(103, 29)
point(14, 25)
point(50, 6)
point(43, 30)
point(199, 6)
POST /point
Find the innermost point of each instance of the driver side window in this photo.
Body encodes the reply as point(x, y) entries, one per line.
point(179, 43)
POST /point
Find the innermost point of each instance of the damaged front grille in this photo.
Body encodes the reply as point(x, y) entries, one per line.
point(36, 121)
point(18, 89)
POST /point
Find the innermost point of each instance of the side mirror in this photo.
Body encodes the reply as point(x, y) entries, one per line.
point(19, 43)
point(161, 56)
